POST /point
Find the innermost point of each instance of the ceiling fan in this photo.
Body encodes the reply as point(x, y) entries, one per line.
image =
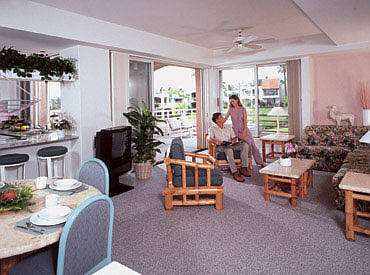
point(248, 42)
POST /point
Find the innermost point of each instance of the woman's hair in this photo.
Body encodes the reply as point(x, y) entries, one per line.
point(235, 97)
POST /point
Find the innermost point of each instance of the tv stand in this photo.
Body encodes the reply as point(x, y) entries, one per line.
point(113, 147)
point(116, 188)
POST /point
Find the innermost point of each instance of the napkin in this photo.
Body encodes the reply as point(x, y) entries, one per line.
point(83, 187)
point(35, 230)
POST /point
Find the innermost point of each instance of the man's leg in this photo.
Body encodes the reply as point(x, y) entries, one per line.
point(244, 150)
point(230, 159)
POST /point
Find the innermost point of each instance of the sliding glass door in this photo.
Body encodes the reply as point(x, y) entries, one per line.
point(240, 82)
point(260, 88)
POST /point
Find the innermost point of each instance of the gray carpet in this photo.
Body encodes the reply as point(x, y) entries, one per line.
point(249, 236)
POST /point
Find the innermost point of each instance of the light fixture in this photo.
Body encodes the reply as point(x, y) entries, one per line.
point(277, 111)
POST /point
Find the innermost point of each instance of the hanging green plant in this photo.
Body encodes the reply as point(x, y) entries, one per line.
point(24, 65)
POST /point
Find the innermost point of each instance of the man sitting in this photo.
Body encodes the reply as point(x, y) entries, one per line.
point(224, 137)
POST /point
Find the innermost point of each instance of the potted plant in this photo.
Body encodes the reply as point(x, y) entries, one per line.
point(291, 151)
point(61, 122)
point(144, 143)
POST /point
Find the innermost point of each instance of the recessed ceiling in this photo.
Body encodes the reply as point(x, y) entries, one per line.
point(207, 23)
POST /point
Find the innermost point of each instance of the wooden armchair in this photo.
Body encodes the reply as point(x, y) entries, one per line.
point(189, 181)
point(220, 158)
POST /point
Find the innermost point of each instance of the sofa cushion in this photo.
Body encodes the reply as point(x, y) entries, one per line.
point(216, 178)
point(222, 155)
point(328, 158)
point(333, 135)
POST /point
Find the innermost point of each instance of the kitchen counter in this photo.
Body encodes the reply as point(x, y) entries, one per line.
point(30, 138)
point(29, 142)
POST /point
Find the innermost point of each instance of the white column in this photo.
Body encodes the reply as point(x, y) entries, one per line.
point(87, 99)
point(306, 88)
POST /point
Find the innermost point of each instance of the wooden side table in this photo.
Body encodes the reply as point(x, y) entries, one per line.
point(357, 187)
point(298, 176)
point(275, 139)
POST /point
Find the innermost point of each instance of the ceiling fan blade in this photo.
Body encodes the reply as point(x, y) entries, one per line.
point(260, 41)
point(249, 38)
point(232, 49)
point(252, 46)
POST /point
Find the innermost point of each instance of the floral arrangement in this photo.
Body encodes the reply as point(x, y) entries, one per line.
point(365, 95)
point(62, 121)
point(291, 150)
point(16, 197)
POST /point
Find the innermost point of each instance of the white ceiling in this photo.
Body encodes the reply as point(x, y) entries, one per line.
point(200, 22)
point(300, 26)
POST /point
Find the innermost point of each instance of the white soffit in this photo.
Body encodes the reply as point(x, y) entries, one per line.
point(344, 21)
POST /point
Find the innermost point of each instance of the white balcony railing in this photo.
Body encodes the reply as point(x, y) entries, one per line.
point(166, 114)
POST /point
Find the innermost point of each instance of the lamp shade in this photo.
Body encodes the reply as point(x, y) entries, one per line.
point(366, 138)
point(277, 111)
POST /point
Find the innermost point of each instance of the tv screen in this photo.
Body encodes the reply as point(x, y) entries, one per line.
point(119, 144)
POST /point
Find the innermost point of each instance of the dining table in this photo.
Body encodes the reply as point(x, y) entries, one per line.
point(16, 244)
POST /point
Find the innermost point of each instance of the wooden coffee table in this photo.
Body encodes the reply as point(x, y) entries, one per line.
point(298, 176)
point(274, 139)
point(357, 187)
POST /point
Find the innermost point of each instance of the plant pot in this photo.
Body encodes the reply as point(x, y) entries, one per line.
point(366, 117)
point(285, 162)
point(61, 133)
point(143, 170)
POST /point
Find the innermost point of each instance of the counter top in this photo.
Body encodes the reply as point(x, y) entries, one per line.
point(30, 138)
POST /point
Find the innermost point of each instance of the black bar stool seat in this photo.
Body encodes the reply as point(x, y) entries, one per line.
point(50, 155)
point(15, 161)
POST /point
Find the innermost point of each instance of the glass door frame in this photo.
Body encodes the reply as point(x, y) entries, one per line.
point(256, 99)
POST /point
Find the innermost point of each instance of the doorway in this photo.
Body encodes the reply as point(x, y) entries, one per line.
point(177, 102)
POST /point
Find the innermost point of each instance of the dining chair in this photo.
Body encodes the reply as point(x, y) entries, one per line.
point(85, 244)
point(94, 172)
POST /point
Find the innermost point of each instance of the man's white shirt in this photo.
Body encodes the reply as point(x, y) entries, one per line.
point(222, 134)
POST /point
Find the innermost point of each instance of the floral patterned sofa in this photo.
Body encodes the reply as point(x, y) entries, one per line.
point(356, 161)
point(330, 144)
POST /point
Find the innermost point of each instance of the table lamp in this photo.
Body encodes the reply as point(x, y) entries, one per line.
point(366, 139)
point(277, 111)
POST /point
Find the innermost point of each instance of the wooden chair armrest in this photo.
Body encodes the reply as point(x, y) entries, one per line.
point(206, 157)
point(169, 161)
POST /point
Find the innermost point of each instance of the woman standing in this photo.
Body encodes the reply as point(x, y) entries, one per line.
point(239, 120)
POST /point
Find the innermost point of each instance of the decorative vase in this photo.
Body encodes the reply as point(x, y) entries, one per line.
point(285, 162)
point(143, 170)
point(61, 133)
point(366, 117)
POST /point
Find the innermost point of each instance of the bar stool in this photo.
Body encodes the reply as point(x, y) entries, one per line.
point(50, 155)
point(15, 161)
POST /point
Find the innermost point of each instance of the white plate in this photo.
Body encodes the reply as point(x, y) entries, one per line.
point(54, 212)
point(65, 183)
point(2, 185)
point(35, 219)
point(65, 188)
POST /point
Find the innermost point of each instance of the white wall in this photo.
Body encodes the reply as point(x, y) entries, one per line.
point(120, 68)
point(211, 91)
point(88, 98)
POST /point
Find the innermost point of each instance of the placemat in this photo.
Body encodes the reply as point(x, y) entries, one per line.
point(83, 187)
point(26, 226)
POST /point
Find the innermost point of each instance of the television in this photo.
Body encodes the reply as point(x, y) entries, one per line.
point(113, 147)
